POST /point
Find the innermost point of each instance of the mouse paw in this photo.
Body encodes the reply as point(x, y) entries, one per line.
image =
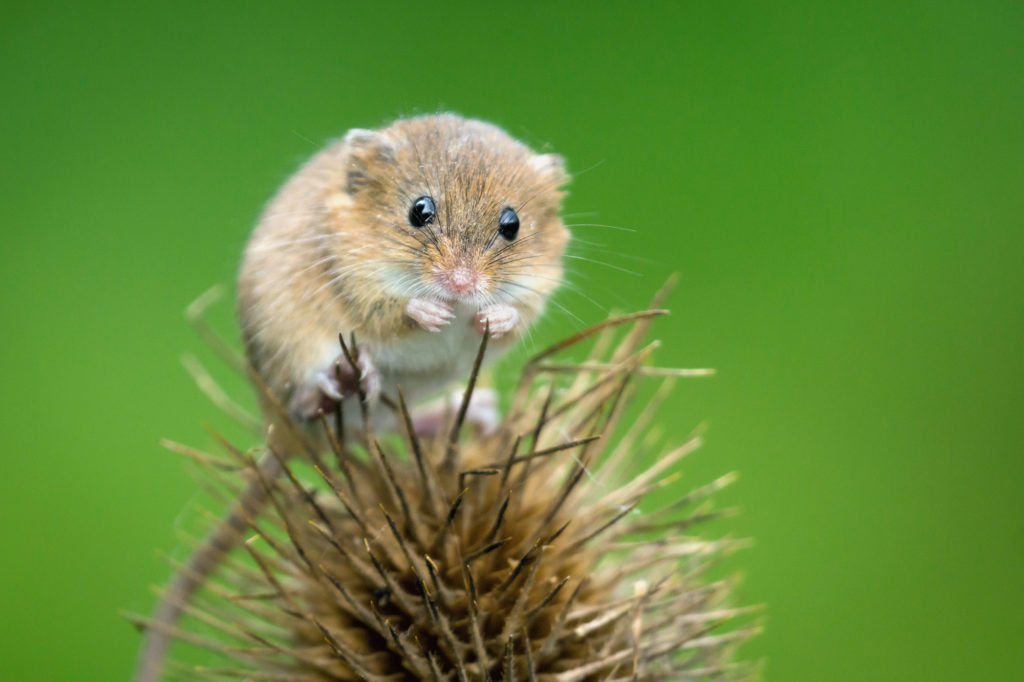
point(369, 375)
point(483, 409)
point(502, 319)
point(336, 383)
point(482, 413)
point(324, 392)
point(364, 375)
point(430, 314)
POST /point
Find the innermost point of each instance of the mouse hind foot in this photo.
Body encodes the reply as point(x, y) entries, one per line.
point(431, 418)
point(334, 384)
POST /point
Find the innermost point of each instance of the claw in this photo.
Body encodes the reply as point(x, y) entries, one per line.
point(328, 384)
point(369, 376)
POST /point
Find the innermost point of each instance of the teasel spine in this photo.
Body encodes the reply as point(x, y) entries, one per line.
point(415, 551)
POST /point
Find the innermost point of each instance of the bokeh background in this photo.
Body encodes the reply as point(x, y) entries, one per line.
point(839, 186)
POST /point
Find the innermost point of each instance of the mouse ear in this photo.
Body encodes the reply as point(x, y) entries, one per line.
point(368, 151)
point(551, 166)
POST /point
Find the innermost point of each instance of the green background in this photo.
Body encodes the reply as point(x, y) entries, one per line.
point(840, 188)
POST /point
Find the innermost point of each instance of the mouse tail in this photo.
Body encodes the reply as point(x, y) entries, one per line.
point(162, 629)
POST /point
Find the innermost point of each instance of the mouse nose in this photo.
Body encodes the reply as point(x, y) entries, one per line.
point(461, 280)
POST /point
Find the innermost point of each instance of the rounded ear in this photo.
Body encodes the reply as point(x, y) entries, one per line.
point(368, 151)
point(360, 138)
point(552, 167)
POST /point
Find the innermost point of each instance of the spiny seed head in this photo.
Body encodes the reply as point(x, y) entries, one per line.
point(517, 555)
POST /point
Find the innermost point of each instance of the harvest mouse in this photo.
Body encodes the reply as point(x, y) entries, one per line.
point(413, 237)
point(416, 238)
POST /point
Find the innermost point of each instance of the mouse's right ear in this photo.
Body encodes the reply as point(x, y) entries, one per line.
point(551, 167)
point(370, 153)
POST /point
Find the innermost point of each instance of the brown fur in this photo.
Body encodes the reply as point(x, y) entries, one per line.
point(335, 252)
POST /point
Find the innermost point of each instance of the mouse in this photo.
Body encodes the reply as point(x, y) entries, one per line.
point(413, 239)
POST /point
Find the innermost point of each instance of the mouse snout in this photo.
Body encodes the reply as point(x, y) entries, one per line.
point(460, 280)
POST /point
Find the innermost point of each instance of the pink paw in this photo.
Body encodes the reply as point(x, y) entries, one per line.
point(430, 419)
point(429, 313)
point(502, 319)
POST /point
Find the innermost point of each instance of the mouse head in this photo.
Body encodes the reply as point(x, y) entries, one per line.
point(455, 209)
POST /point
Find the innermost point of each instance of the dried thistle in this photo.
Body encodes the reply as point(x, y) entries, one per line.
point(518, 555)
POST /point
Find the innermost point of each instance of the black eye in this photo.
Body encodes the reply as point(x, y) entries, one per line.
point(508, 224)
point(422, 212)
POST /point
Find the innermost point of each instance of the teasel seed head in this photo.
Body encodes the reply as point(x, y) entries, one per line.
point(521, 554)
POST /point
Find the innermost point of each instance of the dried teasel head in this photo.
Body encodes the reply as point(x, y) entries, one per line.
point(517, 555)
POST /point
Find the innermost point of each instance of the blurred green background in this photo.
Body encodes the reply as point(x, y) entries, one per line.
point(839, 186)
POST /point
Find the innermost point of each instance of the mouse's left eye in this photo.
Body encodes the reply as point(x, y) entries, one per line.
point(422, 212)
point(508, 224)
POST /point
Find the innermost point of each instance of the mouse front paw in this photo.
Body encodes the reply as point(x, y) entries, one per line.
point(428, 313)
point(501, 318)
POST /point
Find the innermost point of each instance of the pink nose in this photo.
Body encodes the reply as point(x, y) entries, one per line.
point(461, 280)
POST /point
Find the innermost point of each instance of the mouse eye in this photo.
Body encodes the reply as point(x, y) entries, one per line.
point(508, 224)
point(422, 212)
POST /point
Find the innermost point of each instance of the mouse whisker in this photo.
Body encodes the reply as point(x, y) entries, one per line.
point(321, 261)
point(604, 250)
point(518, 259)
point(539, 188)
point(607, 265)
point(409, 248)
point(420, 237)
point(563, 283)
point(273, 245)
point(609, 227)
point(512, 246)
point(521, 257)
point(550, 300)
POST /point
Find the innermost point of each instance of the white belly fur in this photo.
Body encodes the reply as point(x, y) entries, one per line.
point(425, 362)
